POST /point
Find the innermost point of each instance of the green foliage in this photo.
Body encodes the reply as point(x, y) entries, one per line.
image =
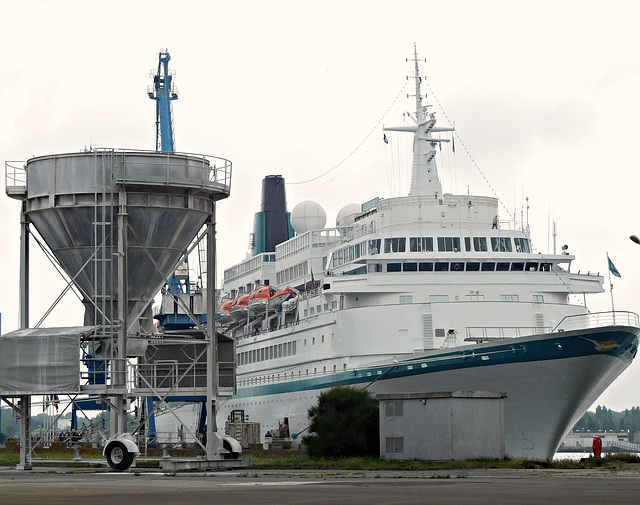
point(344, 423)
point(606, 419)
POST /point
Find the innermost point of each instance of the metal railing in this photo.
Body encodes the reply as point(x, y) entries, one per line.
point(216, 171)
point(215, 174)
point(15, 178)
point(597, 320)
point(179, 377)
point(485, 333)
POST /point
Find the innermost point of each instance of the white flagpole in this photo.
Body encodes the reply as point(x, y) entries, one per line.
point(613, 310)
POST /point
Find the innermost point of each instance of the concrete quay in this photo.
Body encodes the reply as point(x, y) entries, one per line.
point(51, 485)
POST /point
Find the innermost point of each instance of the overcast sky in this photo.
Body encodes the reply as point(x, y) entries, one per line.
point(544, 97)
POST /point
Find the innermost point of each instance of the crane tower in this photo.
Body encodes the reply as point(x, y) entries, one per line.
point(163, 92)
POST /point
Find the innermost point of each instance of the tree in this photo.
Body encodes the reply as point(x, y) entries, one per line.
point(345, 422)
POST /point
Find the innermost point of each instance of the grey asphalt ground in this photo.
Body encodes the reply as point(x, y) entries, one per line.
point(283, 487)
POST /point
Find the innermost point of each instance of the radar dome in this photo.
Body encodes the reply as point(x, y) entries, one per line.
point(307, 216)
point(348, 210)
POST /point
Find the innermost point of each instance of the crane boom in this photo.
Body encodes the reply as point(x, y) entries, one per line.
point(163, 92)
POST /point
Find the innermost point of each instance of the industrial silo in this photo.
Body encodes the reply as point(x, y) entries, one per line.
point(119, 223)
point(75, 202)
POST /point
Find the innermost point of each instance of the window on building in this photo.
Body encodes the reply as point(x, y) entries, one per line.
point(421, 244)
point(501, 244)
point(394, 444)
point(480, 244)
point(448, 244)
point(393, 245)
point(393, 408)
point(522, 245)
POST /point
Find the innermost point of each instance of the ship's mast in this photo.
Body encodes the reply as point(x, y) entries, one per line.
point(424, 173)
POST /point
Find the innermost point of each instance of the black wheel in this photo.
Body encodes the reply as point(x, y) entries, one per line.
point(118, 457)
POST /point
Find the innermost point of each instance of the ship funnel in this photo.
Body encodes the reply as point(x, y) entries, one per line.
point(271, 226)
point(102, 209)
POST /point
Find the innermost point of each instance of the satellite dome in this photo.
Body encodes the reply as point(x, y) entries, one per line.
point(348, 210)
point(307, 216)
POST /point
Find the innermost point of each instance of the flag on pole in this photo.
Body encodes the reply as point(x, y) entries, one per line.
point(612, 267)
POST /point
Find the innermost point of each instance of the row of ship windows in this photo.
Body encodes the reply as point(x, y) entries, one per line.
point(248, 267)
point(276, 351)
point(478, 298)
point(284, 376)
point(267, 353)
point(295, 272)
point(426, 244)
point(312, 311)
point(462, 266)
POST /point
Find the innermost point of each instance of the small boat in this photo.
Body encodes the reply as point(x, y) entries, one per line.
point(279, 297)
point(238, 310)
point(259, 300)
point(225, 316)
point(290, 304)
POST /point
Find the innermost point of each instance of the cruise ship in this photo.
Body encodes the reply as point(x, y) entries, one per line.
point(429, 292)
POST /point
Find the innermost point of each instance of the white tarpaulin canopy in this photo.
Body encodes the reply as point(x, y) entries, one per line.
point(41, 360)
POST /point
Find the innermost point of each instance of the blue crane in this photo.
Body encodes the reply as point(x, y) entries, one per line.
point(163, 92)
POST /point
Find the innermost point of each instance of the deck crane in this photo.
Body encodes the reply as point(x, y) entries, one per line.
point(163, 92)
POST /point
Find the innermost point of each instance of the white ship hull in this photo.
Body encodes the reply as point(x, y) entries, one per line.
point(549, 381)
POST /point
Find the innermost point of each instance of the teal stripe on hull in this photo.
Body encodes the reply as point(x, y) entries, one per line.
point(618, 343)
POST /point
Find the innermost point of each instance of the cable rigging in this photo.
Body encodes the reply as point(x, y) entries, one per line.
point(362, 142)
point(473, 161)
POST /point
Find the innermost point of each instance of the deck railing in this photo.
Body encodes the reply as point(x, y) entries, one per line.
point(486, 333)
point(597, 320)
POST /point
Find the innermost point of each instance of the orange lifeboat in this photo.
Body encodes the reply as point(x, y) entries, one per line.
point(276, 301)
point(238, 309)
point(259, 299)
point(225, 316)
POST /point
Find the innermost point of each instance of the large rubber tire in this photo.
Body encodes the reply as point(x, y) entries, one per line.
point(118, 456)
